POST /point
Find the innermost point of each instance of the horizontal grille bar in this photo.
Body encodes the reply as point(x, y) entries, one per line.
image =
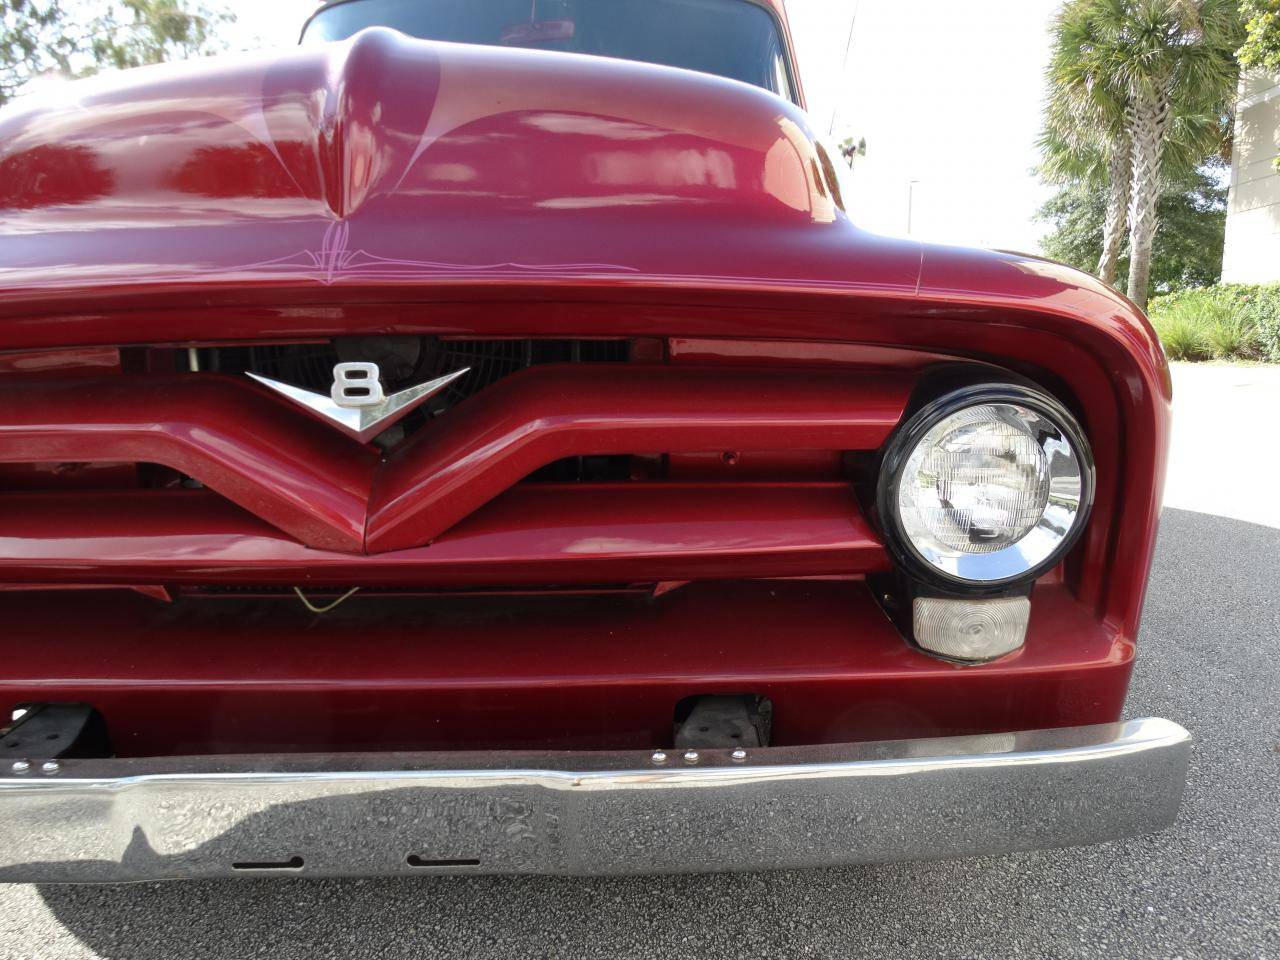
point(534, 534)
point(230, 435)
point(544, 414)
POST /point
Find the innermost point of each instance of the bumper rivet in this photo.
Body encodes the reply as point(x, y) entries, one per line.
point(691, 756)
point(50, 766)
point(20, 766)
point(739, 754)
point(658, 757)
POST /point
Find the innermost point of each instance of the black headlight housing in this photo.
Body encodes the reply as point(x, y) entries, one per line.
point(984, 487)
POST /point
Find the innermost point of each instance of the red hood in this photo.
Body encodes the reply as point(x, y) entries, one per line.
point(386, 167)
point(386, 157)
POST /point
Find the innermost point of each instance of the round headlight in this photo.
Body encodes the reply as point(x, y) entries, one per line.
point(985, 486)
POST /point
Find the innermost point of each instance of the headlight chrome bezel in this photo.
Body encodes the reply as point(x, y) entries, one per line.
point(1027, 558)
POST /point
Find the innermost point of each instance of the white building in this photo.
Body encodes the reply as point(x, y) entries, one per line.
point(1252, 253)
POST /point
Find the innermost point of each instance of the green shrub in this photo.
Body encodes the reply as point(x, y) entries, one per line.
point(1265, 309)
point(1228, 321)
point(1231, 337)
point(1182, 337)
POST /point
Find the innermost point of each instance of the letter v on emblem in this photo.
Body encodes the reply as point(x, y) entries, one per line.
point(357, 404)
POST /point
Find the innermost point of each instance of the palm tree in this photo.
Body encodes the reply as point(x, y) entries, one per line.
point(1098, 155)
point(1085, 136)
point(1102, 161)
point(1127, 78)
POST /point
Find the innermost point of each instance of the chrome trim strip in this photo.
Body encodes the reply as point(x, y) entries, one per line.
point(599, 813)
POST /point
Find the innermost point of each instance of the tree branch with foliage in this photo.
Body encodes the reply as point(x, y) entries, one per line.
point(1261, 47)
point(1261, 50)
point(75, 38)
point(1187, 250)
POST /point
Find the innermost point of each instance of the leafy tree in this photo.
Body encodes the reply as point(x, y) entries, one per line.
point(1262, 38)
point(1129, 75)
point(74, 38)
point(851, 149)
point(1262, 34)
point(1187, 250)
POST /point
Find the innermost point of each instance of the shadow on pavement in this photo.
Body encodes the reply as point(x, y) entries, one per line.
point(1210, 886)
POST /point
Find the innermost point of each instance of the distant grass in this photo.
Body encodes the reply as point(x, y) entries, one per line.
point(1182, 337)
point(1222, 322)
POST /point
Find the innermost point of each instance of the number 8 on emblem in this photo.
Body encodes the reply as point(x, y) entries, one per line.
point(356, 385)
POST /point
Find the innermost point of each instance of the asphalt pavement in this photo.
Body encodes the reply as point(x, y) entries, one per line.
point(1209, 887)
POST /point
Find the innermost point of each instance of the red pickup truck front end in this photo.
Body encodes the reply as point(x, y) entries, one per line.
point(428, 457)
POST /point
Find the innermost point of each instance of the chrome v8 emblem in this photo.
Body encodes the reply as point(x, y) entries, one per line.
point(356, 403)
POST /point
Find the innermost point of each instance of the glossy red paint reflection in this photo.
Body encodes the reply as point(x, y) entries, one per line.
point(88, 361)
point(348, 151)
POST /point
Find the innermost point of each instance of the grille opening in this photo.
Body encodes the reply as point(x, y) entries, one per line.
point(293, 863)
point(586, 469)
point(324, 594)
point(404, 361)
point(414, 860)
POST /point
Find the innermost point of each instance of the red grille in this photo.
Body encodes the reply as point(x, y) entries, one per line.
point(283, 498)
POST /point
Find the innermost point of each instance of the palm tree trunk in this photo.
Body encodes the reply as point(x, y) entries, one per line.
point(1119, 179)
point(1148, 118)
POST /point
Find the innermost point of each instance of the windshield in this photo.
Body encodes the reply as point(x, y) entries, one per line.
point(730, 38)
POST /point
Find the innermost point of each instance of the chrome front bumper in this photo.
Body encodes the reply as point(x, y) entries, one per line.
point(588, 813)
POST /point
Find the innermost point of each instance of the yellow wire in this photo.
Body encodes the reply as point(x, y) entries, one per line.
point(327, 607)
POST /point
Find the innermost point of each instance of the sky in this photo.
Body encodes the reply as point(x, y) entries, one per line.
point(947, 94)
